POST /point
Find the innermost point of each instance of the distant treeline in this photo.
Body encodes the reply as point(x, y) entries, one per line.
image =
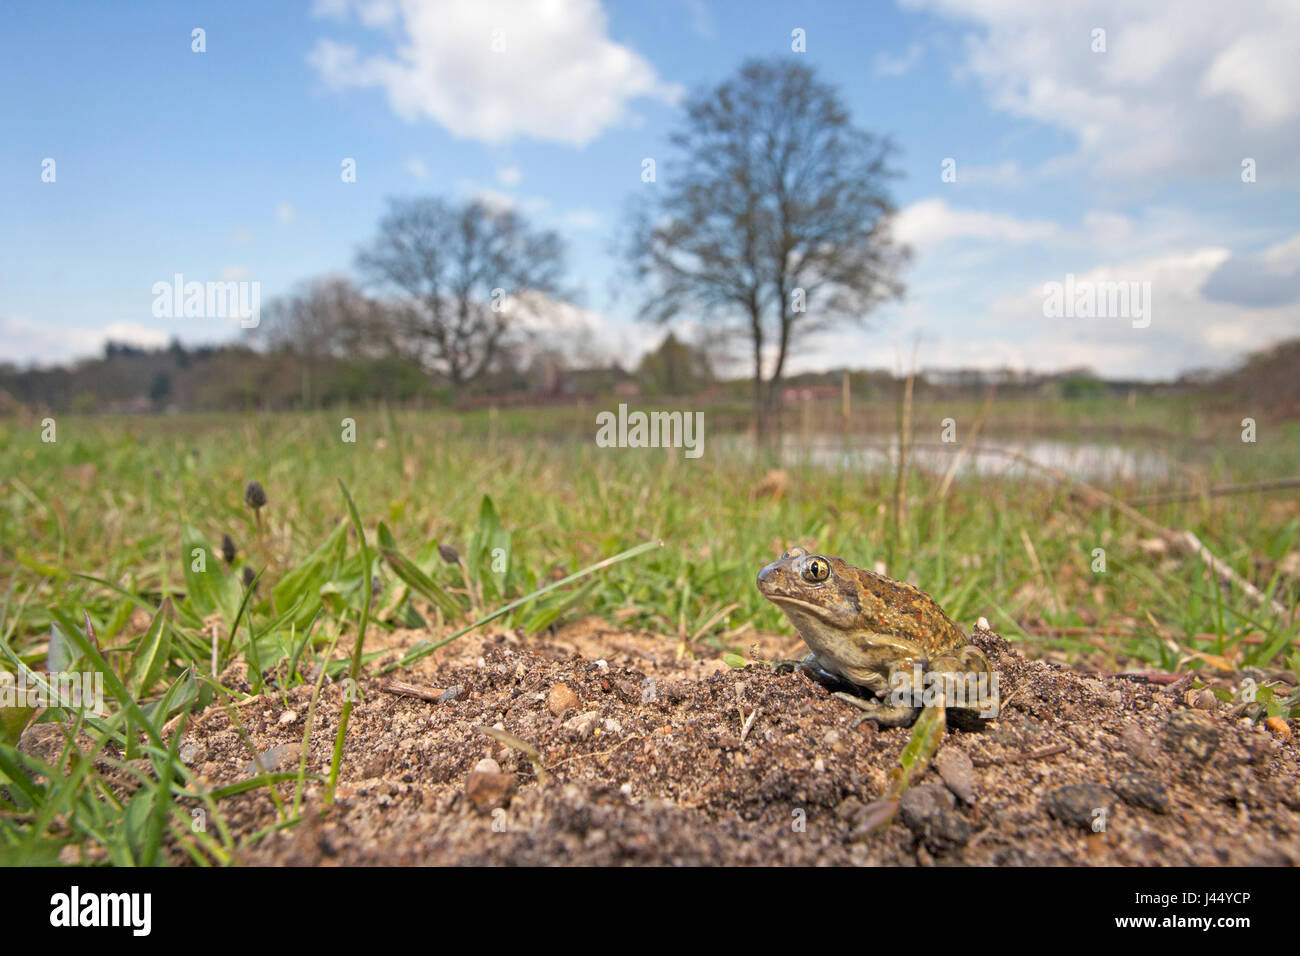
point(278, 376)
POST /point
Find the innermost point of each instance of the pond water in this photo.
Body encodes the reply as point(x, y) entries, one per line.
point(1089, 461)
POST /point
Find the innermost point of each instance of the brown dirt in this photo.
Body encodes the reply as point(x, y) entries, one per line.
point(650, 767)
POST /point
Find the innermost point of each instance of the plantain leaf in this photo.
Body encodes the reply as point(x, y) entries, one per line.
point(152, 653)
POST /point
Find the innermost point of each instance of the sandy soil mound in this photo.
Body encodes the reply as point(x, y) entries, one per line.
point(655, 761)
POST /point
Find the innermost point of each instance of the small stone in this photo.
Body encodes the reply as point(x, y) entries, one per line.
point(1133, 740)
point(922, 802)
point(1192, 732)
point(451, 693)
point(191, 754)
point(1202, 699)
point(955, 767)
point(819, 765)
point(1279, 727)
point(612, 726)
point(268, 760)
point(1079, 804)
point(982, 623)
point(486, 789)
point(288, 717)
point(929, 812)
point(1139, 790)
point(582, 724)
point(487, 765)
point(374, 765)
point(560, 699)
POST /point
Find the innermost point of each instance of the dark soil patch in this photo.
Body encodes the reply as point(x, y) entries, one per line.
point(654, 765)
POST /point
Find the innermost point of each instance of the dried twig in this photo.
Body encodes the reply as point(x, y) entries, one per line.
point(1038, 754)
point(1189, 542)
point(431, 694)
point(1175, 496)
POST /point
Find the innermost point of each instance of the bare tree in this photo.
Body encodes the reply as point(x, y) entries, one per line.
point(329, 317)
point(455, 267)
point(775, 222)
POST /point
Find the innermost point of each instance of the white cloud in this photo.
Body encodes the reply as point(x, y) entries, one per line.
point(284, 213)
point(234, 273)
point(1270, 278)
point(582, 219)
point(701, 19)
point(558, 77)
point(889, 64)
point(1184, 86)
point(510, 176)
point(1187, 329)
point(931, 221)
point(25, 341)
point(501, 199)
point(417, 168)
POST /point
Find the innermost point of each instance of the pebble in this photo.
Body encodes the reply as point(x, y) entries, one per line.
point(1279, 727)
point(268, 760)
point(1139, 790)
point(612, 726)
point(451, 693)
point(1137, 743)
point(288, 717)
point(1192, 732)
point(1202, 699)
point(921, 802)
point(487, 765)
point(582, 724)
point(487, 789)
point(955, 767)
point(560, 699)
point(1076, 803)
point(929, 811)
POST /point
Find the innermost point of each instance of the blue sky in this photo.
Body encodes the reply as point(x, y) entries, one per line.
point(1115, 164)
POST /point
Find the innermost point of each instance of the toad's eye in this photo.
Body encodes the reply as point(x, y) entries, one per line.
point(794, 553)
point(815, 569)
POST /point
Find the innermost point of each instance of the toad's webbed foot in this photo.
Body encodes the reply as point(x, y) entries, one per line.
point(886, 715)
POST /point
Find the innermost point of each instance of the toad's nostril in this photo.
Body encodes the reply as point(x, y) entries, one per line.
point(767, 574)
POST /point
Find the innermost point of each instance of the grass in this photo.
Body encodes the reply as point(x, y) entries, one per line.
point(111, 556)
